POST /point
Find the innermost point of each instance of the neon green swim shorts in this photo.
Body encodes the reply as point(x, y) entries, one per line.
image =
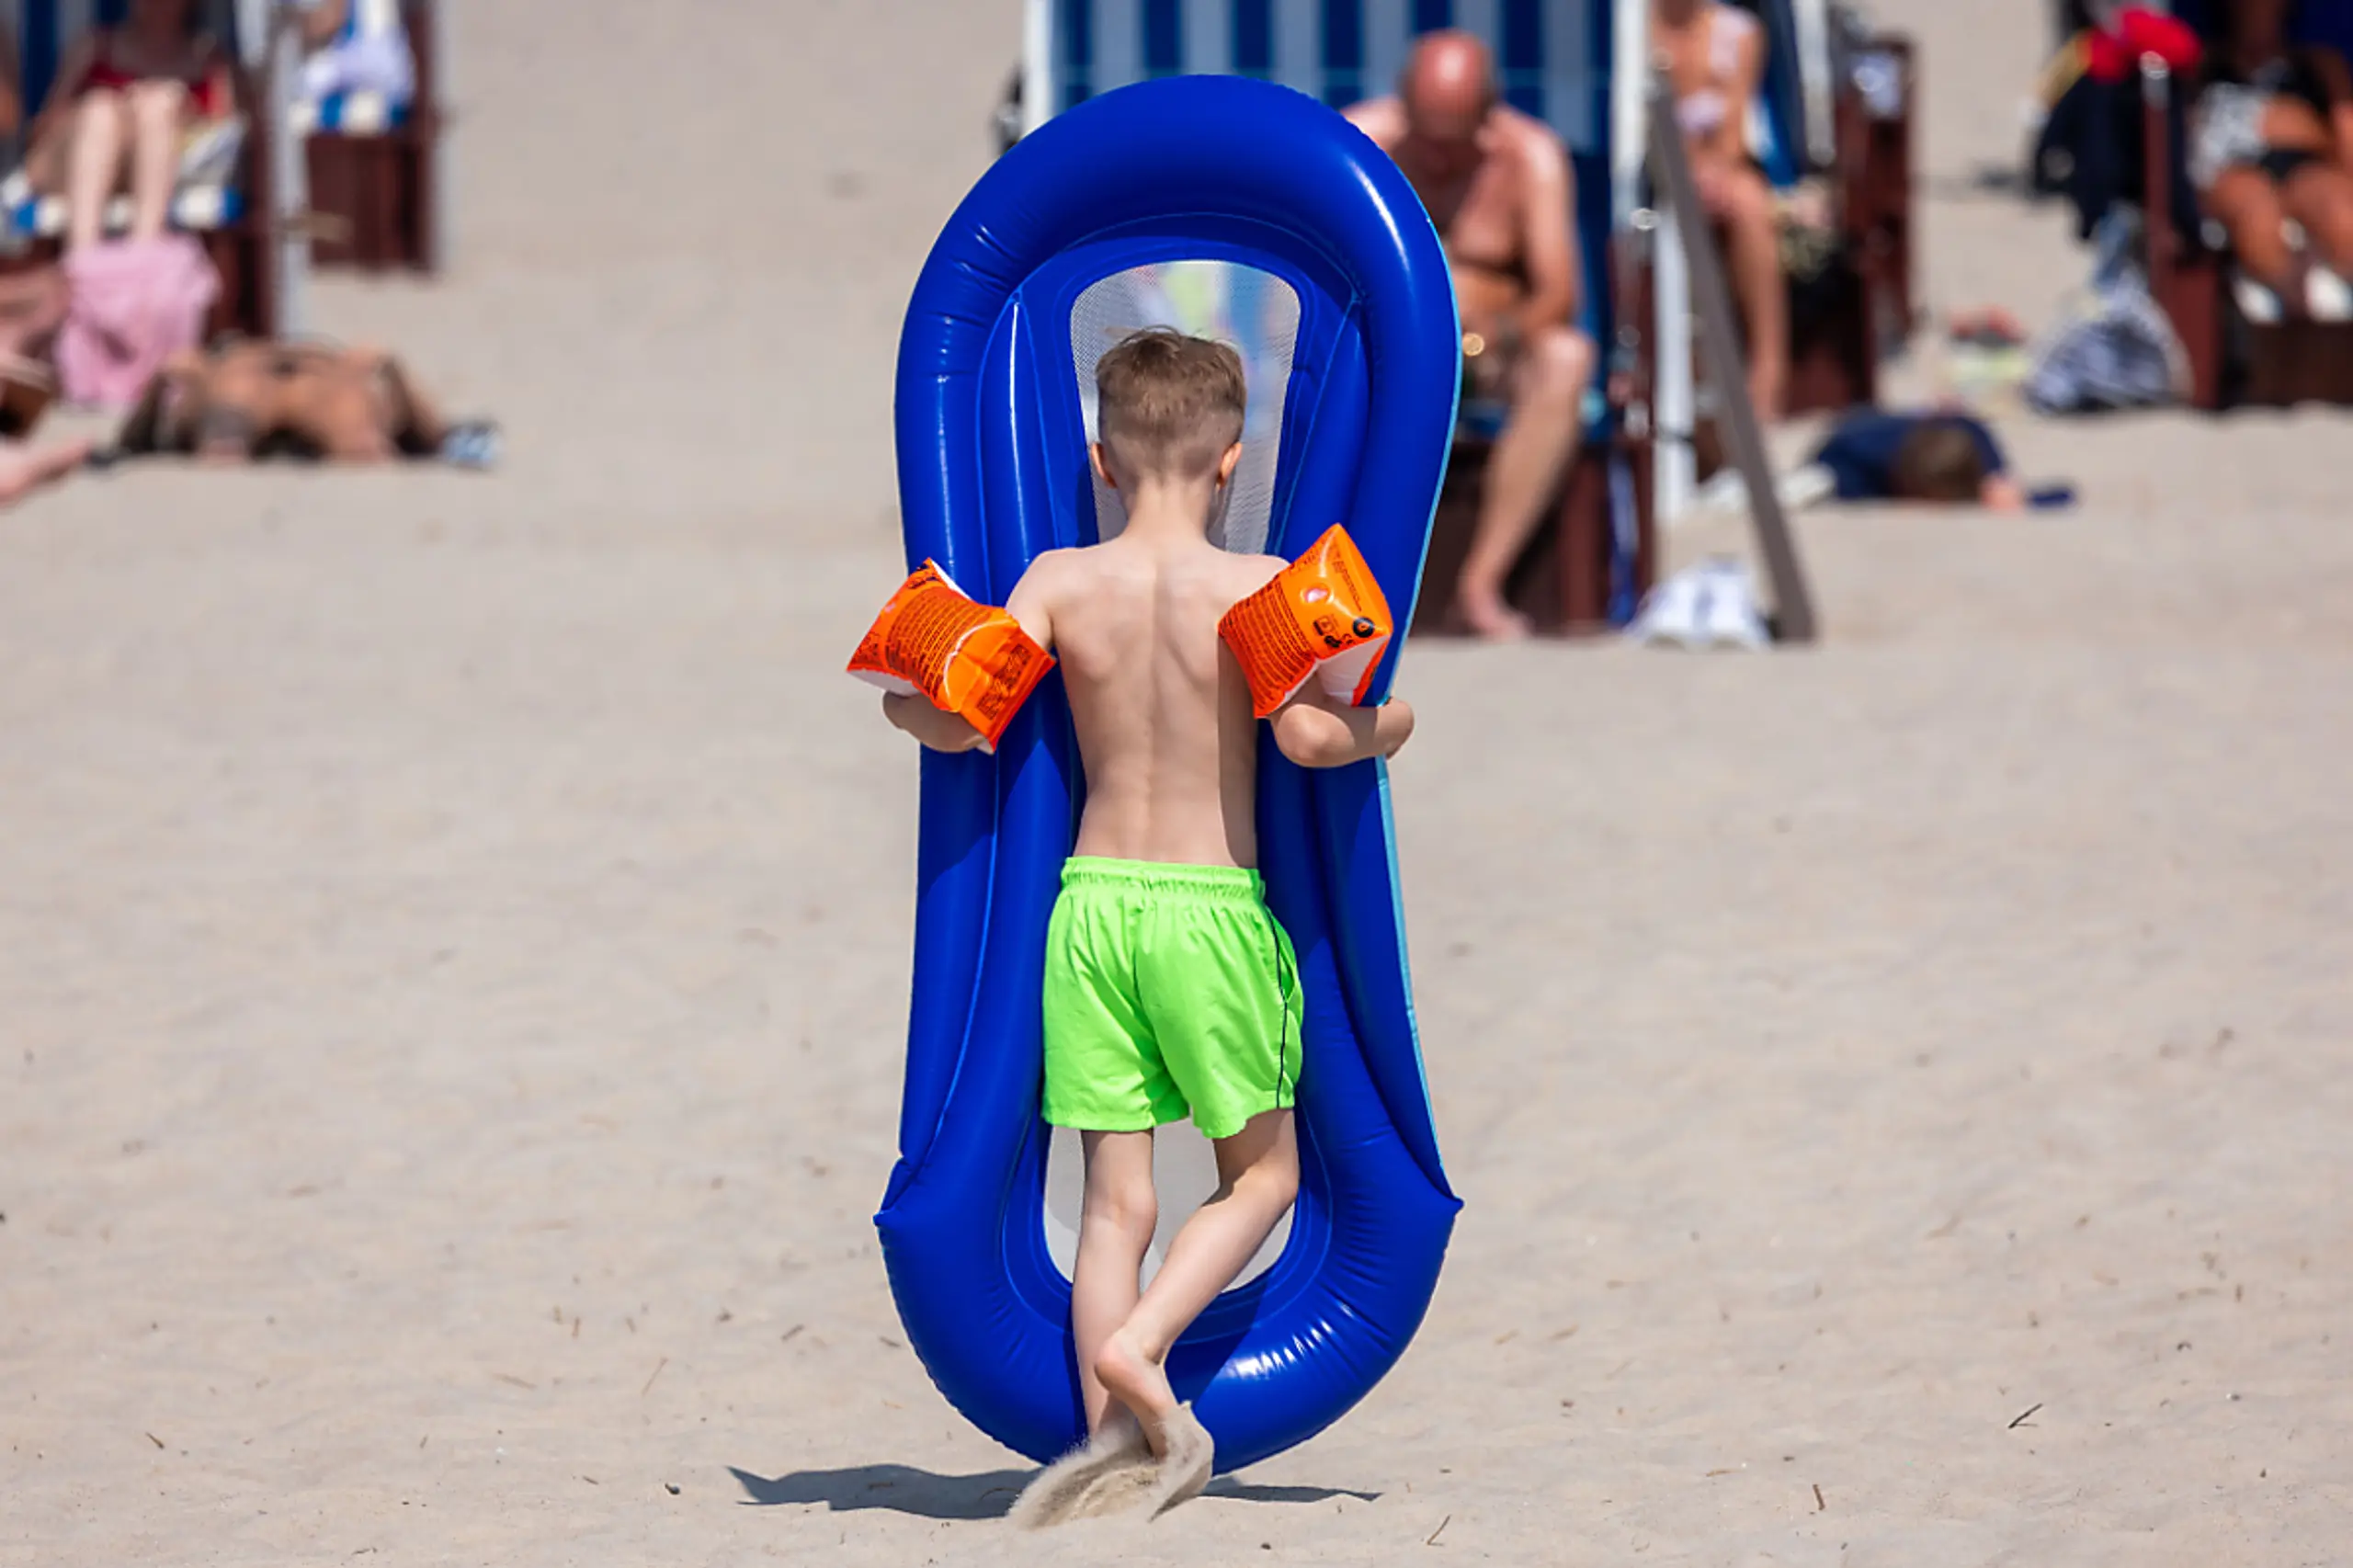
point(1170, 992)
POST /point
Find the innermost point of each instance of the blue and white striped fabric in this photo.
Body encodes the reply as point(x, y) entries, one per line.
point(1553, 58)
point(43, 30)
point(1552, 55)
point(364, 82)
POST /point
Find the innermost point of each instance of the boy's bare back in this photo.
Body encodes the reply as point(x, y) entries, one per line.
point(1162, 710)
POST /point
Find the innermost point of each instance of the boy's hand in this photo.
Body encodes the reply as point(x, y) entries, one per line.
point(1315, 731)
point(1399, 714)
point(917, 717)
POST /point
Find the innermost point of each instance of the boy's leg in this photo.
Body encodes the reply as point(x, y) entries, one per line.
point(1258, 1172)
point(1114, 1232)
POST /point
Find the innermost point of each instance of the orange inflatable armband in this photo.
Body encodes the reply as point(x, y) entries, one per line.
point(1322, 615)
point(968, 659)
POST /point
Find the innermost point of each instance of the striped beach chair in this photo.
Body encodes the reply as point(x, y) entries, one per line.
point(374, 158)
point(238, 215)
point(2236, 353)
point(1558, 61)
point(42, 33)
point(1555, 60)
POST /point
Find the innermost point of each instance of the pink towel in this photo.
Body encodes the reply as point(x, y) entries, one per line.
point(135, 304)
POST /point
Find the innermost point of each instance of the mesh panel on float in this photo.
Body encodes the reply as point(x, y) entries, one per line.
point(1255, 312)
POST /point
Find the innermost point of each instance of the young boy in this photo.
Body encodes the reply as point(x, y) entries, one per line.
point(1170, 989)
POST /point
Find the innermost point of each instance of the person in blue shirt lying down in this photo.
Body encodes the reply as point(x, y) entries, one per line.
point(1943, 457)
point(1939, 456)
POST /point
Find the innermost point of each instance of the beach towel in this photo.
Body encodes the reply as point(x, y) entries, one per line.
point(135, 304)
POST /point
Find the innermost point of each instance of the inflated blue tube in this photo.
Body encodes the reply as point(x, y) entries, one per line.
point(992, 449)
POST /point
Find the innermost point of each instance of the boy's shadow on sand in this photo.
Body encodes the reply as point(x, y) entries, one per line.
point(902, 1489)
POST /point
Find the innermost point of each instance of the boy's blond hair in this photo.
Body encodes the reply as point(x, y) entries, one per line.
point(1167, 404)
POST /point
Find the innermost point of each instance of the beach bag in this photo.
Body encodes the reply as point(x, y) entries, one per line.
point(135, 304)
point(2121, 353)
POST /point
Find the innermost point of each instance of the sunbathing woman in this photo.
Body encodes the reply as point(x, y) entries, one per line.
point(2272, 139)
point(127, 103)
point(1714, 54)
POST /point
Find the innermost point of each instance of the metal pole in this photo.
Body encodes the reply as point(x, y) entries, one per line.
point(1674, 466)
point(1629, 54)
point(1812, 20)
point(1036, 64)
point(1671, 170)
point(290, 242)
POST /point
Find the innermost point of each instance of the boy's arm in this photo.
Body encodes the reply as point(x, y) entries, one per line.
point(952, 731)
point(1317, 730)
point(912, 713)
point(1028, 602)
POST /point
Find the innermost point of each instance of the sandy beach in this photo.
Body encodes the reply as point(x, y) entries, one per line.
point(454, 943)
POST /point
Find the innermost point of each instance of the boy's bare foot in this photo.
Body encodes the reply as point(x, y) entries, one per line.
point(1186, 1467)
point(1092, 1478)
point(1140, 1383)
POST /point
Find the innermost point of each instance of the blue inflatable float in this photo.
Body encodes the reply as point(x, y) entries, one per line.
point(991, 455)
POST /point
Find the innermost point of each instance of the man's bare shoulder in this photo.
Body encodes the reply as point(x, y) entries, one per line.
point(1535, 147)
point(1382, 118)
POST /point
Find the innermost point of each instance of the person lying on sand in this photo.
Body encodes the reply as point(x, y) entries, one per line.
point(24, 470)
point(1939, 456)
point(1170, 990)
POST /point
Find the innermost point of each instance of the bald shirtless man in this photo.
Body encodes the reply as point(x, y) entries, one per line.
point(1498, 187)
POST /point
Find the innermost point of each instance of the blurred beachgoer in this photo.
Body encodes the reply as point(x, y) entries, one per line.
point(2272, 141)
point(24, 470)
point(1497, 184)
point(339, 57)
point(1944, 456)
point(128, 104)
point(1714, 56)
point(246, 400)
point(32, 307)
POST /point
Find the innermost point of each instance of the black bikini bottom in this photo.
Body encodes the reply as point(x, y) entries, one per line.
point(2279, 163)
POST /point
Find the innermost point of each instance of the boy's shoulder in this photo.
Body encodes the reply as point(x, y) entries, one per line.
point(1051, 565)
point(1255, 571)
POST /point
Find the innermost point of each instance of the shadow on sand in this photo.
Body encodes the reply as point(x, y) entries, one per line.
point(902, 1489)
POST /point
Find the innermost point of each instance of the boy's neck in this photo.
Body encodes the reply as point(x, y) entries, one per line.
point(1171, 514)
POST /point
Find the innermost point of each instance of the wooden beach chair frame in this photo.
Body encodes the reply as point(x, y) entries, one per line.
point(2233, 361)
point(384, 190)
